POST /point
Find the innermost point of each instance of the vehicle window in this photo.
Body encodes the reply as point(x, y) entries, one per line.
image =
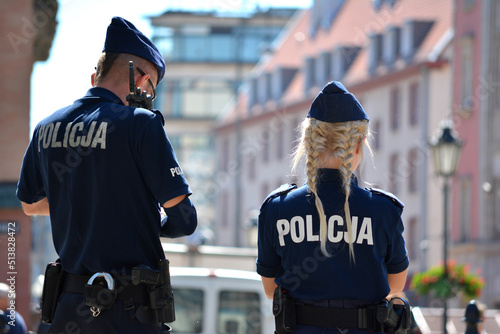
point(239, 313)
point(188, 311)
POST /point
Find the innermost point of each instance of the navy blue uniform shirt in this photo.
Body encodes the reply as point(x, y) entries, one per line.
point(104, 168)
point(289, 244)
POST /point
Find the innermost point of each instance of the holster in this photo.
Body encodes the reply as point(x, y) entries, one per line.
point(52, 288)
point(161, 295)
point(283, 311)
point(396, 318)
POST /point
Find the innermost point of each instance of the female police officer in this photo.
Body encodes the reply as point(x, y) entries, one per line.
point(331, 247)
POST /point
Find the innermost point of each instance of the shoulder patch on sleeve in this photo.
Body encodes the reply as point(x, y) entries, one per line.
point(389, 195)
point(282, 190)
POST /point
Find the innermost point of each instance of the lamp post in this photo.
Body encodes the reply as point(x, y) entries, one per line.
point(446, 149)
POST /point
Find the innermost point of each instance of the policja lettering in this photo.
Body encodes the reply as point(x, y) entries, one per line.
point(301, 230)
point(74, 135)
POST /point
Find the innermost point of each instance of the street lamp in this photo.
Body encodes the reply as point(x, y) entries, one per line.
point(446, 149)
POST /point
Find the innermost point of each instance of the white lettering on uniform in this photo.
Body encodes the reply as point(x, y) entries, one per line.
point(294, 223)
point(354, 230)
point(335, 236)
point(85, 142)
point(176, 171)
point(100, 136)
point(283, 227)
point(75, 135)
point(309, 229)
point(300, 230)
point(47, 134)
point(74, 140)
point(56, 143)
point(365, 232)
point(41, 134)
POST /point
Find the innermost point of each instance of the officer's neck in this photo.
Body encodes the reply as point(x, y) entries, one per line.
point(118, 87)
point(119, 91)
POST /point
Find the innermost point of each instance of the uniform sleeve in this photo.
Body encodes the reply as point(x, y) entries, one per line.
point(397, 257)
point(158, 163)
point(268, 261)
point(30, 187)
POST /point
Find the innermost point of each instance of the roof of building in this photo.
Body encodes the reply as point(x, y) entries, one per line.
point(351, 26)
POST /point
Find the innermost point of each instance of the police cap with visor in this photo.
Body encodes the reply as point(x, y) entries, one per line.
point(334, 104)
point(123, 37)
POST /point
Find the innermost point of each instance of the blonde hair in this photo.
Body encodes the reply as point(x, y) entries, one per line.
point(320, 142)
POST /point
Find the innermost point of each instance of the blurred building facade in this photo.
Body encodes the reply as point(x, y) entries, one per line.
point(28, 28)
point(207, 56)
point(475, 229)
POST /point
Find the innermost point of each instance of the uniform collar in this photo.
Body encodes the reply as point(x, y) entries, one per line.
point(103, 93)
point(334, 176)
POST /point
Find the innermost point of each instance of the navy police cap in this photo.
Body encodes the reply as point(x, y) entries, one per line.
point(335, 104)
point(123, 37)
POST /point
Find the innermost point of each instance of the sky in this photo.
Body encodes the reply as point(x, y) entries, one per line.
point(80, 35)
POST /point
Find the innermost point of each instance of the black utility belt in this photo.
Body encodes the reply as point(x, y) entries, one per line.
point(362, 318)
point(126, 290)
point(386, 317)
point(148, 287)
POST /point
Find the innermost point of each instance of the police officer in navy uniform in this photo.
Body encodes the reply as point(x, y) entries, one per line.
point(104, 171)
point(331, 244)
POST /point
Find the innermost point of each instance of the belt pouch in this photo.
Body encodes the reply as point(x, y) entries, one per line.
point(52, 288)
point(284, 311)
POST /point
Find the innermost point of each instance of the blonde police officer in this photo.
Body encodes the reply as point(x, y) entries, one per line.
point(331, 247)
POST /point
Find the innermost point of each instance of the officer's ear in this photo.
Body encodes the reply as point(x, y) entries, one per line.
point(142, 80)
point(92, 79)
point(358, 145)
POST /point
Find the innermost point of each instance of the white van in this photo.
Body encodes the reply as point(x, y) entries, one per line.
point(220, 301)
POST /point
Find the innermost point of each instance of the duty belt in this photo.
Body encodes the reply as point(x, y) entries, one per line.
point(362, 318)
point(128, 293)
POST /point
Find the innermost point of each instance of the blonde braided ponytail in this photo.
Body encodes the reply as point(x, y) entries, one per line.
point(320, 141)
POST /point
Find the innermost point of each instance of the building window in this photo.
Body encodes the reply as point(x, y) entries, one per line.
point(413, 168)
point(264, 144)
point(323, 68)
point(310, 74)
point(280, 141)
point(394, 108)
point(262, 89)
point(391, 42)
point(250, 165)
point(466, 76)
point(393, 173)
point(375, 52)
point(252, 92)
point(269, 85)
point(195, 97)
point(414, 101)
point(412, 241)
point(465, 200)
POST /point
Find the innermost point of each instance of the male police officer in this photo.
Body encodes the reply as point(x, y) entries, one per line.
point(101, 169)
